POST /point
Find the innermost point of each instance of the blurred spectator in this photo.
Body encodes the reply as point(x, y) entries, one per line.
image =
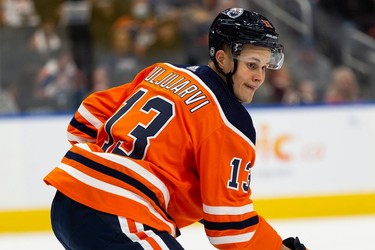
point(104, 15)
point(343, 86)
point(143, 15)
point(100, 80)
point(49, 10)
point(307, 92)
point(8, 104)
point(308, 64)
point(46, 41)
point(278, 88)
point(141, 9)
point(128, 35)
point(168, 44)
point(197, 19)
point(283, 90)
point(58, 83)
point(19, 13)
point(18, 63)
point(123, 61)
point(76, 17)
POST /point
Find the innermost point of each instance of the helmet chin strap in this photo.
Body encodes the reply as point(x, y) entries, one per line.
point(228, 76)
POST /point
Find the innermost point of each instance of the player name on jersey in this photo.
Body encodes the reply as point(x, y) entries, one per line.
point(180, 86)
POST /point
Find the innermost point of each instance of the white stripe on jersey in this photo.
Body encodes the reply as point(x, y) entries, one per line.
point(156, 237)
point(231, 239)
point(221, 210)
point(125, 229)
point(139, 226)
point(89, 117)
point(132, 236)
point(88, 180)
point(74, 138)
point(127, 163)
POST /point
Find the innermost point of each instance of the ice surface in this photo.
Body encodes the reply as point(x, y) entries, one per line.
point(344, 233)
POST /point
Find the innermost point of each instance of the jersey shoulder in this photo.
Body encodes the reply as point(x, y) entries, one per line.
point(233, 110)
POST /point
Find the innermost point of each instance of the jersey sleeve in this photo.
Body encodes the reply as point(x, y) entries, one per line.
point(95, 110)
point(225, 159)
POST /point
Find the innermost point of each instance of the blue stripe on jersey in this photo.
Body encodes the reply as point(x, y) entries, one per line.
point(118, 175)
point(83, 128)
point(231, 225)
point(235, 112)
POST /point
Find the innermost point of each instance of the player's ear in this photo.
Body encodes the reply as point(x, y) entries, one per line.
point(220, 58)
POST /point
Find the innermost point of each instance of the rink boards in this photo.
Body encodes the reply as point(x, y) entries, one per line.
point(312, 161)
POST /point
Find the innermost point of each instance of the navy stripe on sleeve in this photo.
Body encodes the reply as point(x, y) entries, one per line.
point(231, 225)
point(83, 128)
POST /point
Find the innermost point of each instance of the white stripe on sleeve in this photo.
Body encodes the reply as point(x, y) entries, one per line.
point(222, 210)
point(79, 139)
point(89, 117)
point(231, 239)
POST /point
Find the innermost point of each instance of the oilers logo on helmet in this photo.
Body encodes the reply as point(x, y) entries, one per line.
point(234, 12)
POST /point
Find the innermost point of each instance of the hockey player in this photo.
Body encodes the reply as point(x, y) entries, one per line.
point(172, 147)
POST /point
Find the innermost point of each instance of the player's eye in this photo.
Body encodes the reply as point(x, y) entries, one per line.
point(255, 66)
point(252, 65)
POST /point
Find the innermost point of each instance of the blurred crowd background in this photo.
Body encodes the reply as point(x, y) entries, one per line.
point(53, 53)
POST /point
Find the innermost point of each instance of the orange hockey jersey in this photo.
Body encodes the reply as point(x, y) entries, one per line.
point(168, 149)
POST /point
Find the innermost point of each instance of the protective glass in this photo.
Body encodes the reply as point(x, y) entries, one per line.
point(277, 58)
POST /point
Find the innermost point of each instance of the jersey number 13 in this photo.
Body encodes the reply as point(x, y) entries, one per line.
point(141, 134)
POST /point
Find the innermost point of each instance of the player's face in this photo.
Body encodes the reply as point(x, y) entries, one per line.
point(251, 71)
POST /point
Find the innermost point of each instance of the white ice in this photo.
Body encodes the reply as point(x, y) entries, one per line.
point(338, 233)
